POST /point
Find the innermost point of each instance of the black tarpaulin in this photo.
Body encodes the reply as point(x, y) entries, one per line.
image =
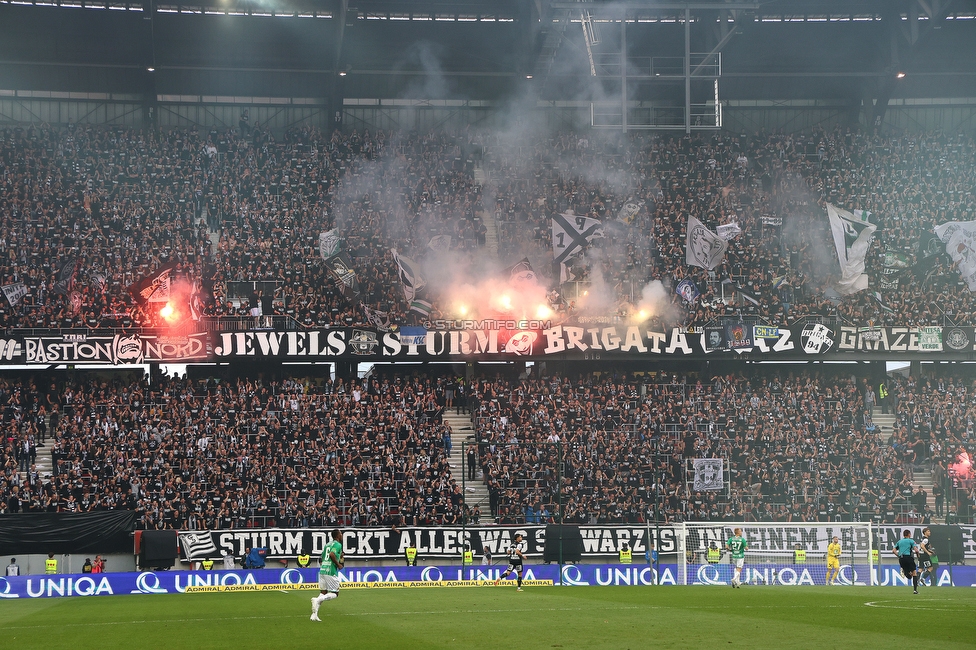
point(50, 532)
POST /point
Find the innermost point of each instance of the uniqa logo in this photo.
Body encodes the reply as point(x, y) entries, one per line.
point(427, 574)
point(6, 589)
point(288, 577)
point(573, 577)
point(147, 582)
point(708, 575)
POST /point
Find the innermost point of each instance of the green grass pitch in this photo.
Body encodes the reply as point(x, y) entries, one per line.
point(539, 617)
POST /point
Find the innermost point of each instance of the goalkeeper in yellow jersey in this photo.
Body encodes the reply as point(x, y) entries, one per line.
point(833, 560)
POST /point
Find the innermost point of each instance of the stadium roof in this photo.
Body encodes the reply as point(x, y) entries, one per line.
point(479, 49)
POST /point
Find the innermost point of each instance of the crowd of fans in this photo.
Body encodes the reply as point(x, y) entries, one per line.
point(799, 446)
point(124, 202)
point(192, 455)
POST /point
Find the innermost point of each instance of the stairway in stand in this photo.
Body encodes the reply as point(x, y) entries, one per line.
point(885, 422)
point(44, 463)
point(486, 216)
point(922, 478)
point(462, 431)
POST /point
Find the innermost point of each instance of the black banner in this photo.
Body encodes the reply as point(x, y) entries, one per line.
point(43, 532)
point(435, 543)
point(514, 339)
point(491, 340)
point(114, 349)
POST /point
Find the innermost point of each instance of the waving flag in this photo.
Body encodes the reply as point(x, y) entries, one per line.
point(153, 287)
point(340, 266)
point(411, 277)
point(852, 232)
point(329, 243)
point(571, 233)
point(703, 247)
point(959, 238)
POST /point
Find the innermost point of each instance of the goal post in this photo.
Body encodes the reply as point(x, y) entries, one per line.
point(770, 558)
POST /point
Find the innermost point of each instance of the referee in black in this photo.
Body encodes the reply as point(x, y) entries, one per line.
point(906, 549)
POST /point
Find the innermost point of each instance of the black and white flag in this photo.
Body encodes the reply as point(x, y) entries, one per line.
point(703, 247)
point(153, 287)
point(852, 233)
point(340, 266)
point(66, 277)
point(709, 474)
point(521, 273)
point(571, 233)
point(329, 243)
point(14, 292)
point(629, 211)
point(411, 276)
point(959, 238)
point(198, 546)
point(378, 319)
point(440, 243)
point(728, 231)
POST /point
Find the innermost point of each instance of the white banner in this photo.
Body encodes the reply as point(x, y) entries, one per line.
point(959, 238)
point(703, 247)
point(728, 231)
point(14, 292)
point(709, 474)
point(852, 234)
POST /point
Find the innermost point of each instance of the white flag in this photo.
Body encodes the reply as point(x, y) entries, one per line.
point(709, 474)
point(959, 238)
point(852, 236)
point(629, 210)
point(728, 231)
point(440, 243)
point(198, 546)
point(570, 233)
point(410, 275)
point(14, 292)
point(329, 242)
point(703, 247)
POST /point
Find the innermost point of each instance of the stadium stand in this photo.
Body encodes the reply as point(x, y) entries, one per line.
point(123, 203)
point(212, 454)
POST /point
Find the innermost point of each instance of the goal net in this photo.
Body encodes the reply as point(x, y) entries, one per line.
point(777, 554)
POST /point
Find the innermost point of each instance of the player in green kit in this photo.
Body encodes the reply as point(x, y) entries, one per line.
point(737, 546)
point(331, 561)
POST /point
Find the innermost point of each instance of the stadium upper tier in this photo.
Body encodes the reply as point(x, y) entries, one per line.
point(800, 446)
point(87, 212)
